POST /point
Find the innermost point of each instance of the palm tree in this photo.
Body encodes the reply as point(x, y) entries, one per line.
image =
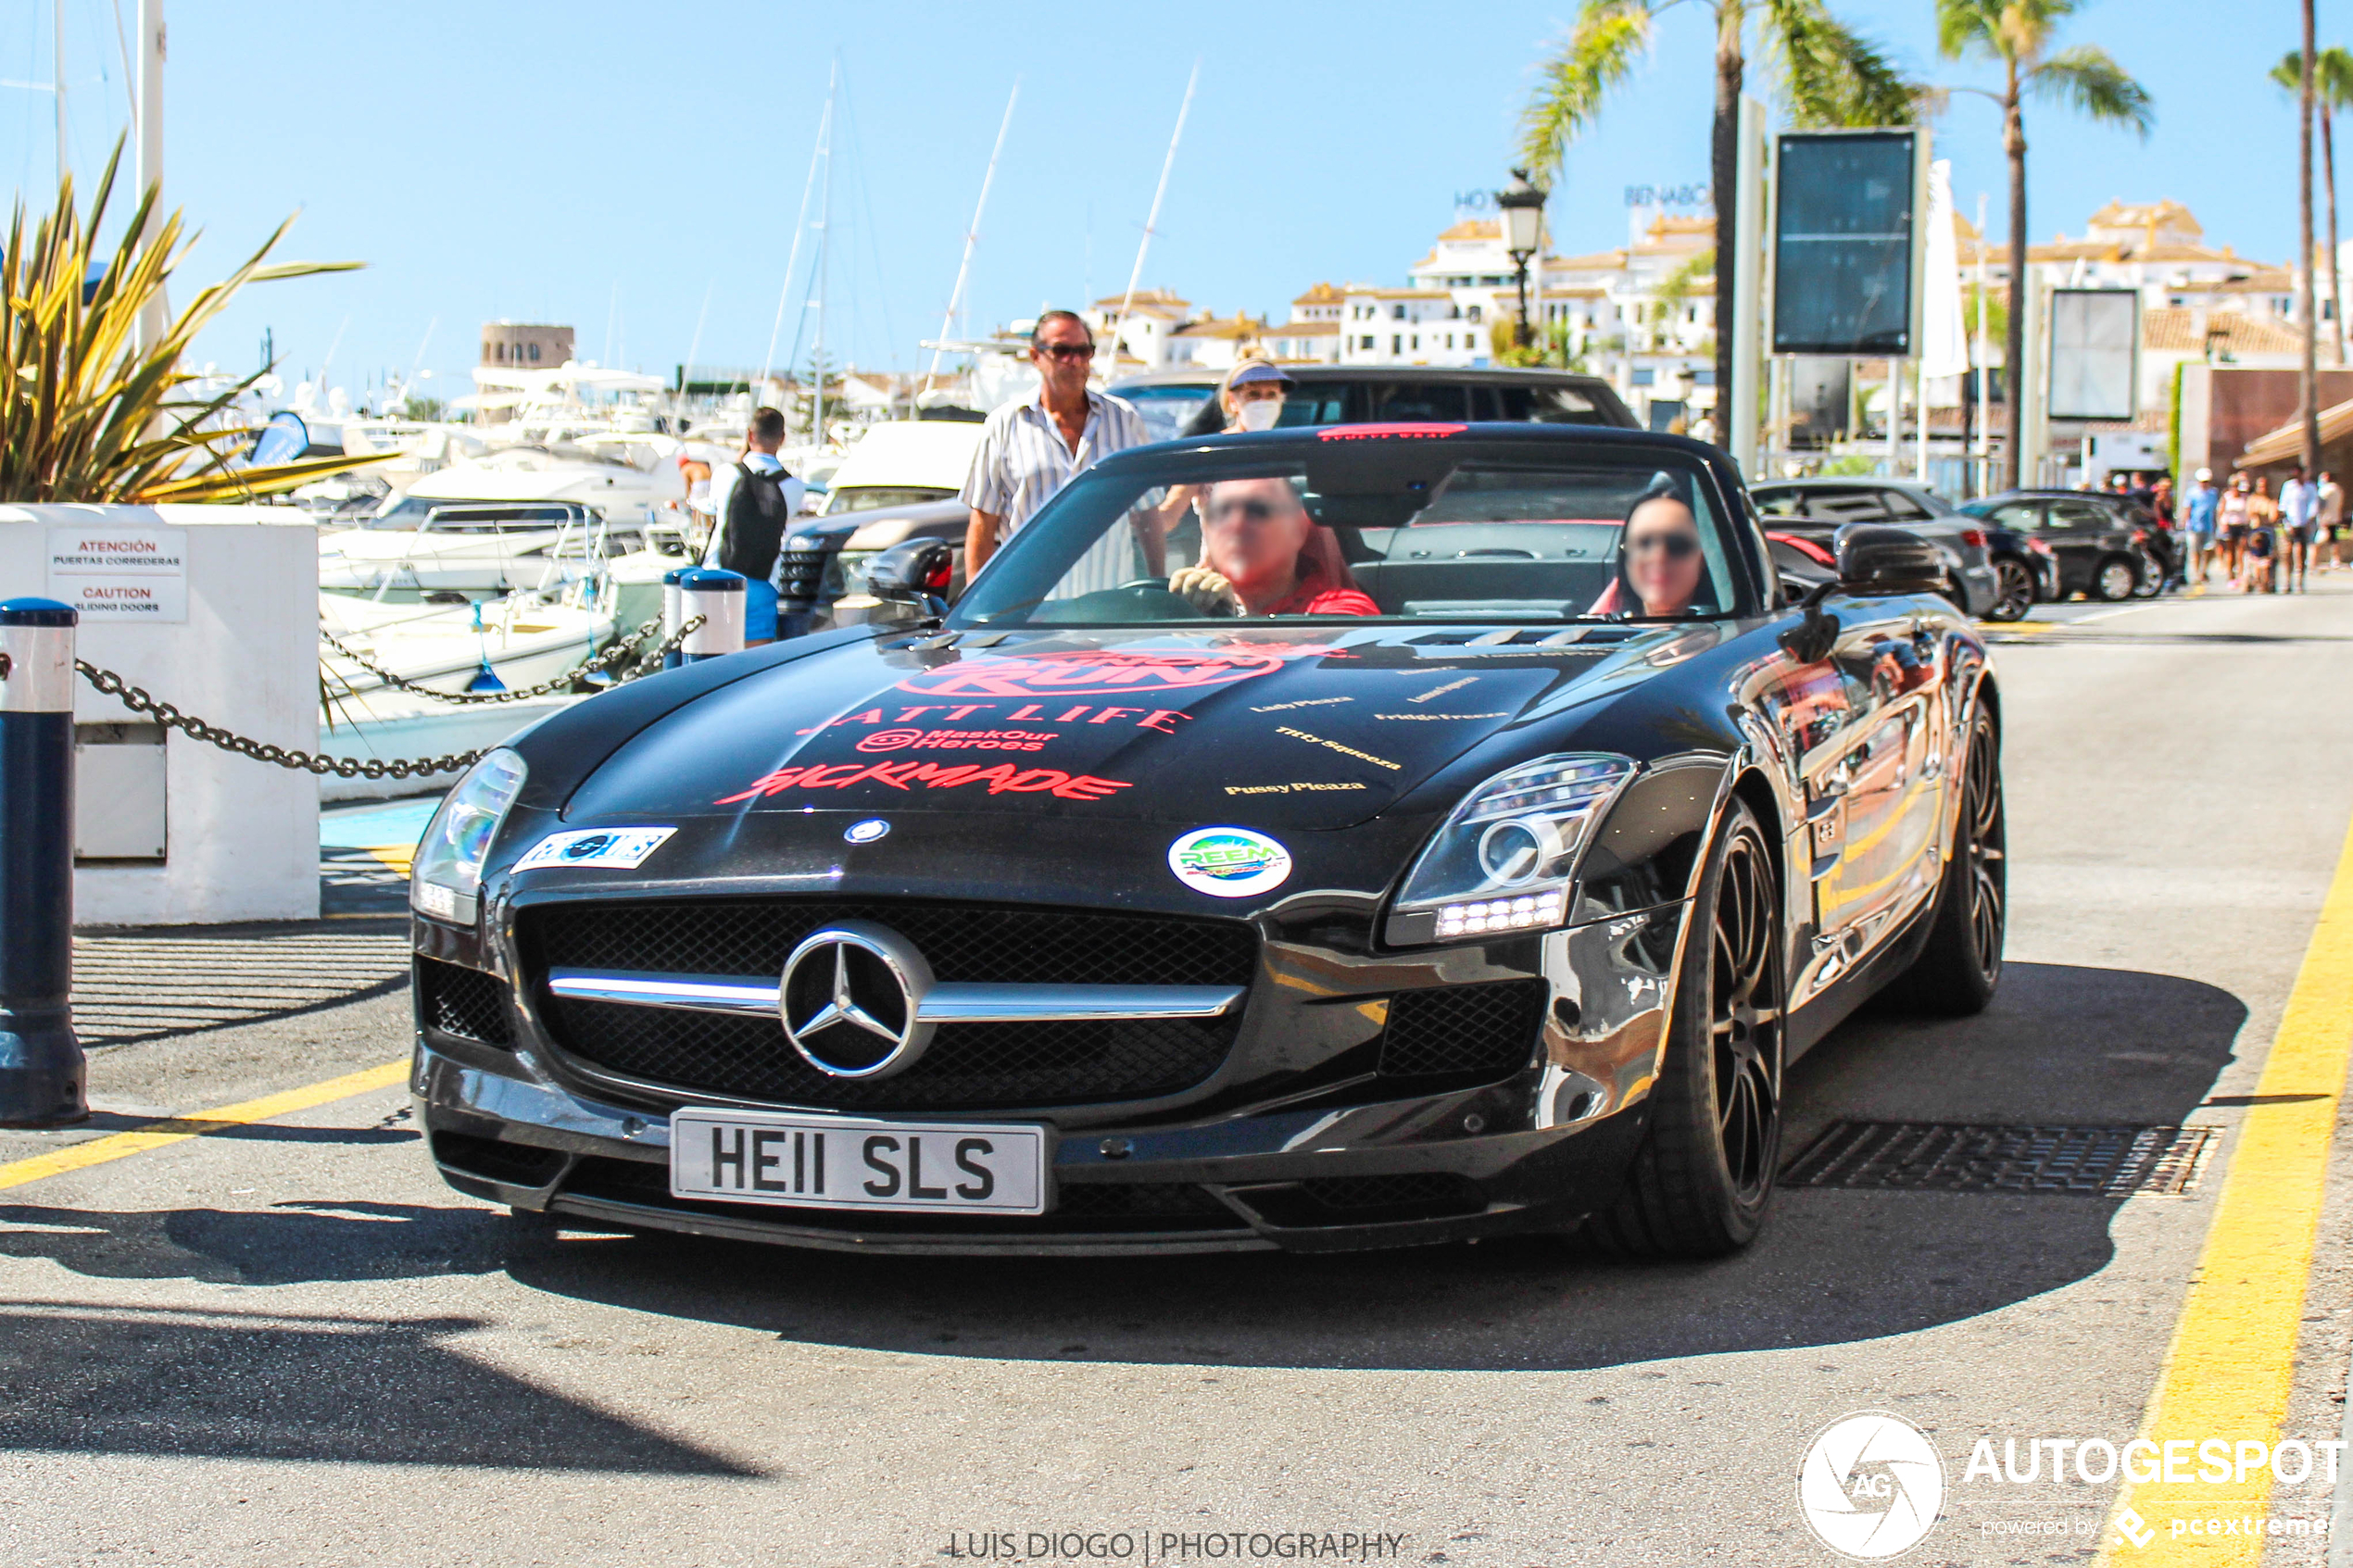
point(2017, 33)
point(1830, 76)
point(2332, 90)
point(2307, 382)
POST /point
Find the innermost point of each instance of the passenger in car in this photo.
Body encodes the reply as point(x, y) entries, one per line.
point(1262, 555)
point(1658, 560)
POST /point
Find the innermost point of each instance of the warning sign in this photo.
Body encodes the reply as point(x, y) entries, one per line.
point(122, 574)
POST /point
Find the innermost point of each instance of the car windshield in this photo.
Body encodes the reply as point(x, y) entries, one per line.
point(1166, 411)
point(869, 497)
point(1371, 525)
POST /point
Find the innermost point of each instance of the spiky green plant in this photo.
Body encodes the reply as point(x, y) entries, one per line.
point(91, 413)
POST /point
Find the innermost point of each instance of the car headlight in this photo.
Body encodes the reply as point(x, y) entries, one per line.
point(1506, 858)
point(446, 879)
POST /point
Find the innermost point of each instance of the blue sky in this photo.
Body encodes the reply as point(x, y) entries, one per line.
point(611, 166)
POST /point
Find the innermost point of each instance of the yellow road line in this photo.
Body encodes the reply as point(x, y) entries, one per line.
point(2233, 1359)
point(399, 857)
point(178, 1129)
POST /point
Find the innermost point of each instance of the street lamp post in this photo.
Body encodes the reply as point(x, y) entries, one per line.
point(1522, 211)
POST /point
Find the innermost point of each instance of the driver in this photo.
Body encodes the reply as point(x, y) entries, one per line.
point(1658, 560)
point(1262, 555)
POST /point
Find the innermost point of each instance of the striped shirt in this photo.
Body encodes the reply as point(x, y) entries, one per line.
point(1023, 461)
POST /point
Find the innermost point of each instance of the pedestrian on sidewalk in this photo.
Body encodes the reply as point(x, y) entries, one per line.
point(2198, 512)
point(755, 499)
point(2234, 520)
point(2262, 519)
point(2300, 504)
point(1030, 450)
point(2331, 545)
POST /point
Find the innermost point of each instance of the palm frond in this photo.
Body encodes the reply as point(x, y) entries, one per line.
point(2333, 77)
point(2289, 72)
point(1599, 52)
point(91, 413)
point(1830, 75)
point(2088, 80)
point(2000, 30)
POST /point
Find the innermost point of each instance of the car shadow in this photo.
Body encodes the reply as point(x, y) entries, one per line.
point(2061, 1045)
point(291, 1243)
point(224, 1385)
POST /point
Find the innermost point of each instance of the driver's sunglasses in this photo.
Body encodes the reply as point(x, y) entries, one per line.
point(1254, 509)
point(1678, 546)
point(1066, 350)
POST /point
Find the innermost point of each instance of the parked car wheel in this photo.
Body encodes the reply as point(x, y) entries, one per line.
point(2152, 579)
point(2013, 590)
point(2116, 579)
point(1955, 974)
point(1698, 1184)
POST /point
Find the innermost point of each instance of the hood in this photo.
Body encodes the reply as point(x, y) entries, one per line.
point(1274, 729)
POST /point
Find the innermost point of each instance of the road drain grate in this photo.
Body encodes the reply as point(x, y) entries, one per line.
point(1945, 1157)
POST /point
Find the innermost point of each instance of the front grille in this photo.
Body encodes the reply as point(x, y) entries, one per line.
point(1088, 1207)
point(462, 1001)
point(1487, 1029)
point(968, 1066)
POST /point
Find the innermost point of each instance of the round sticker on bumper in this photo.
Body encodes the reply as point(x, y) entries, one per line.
point(1229, 862)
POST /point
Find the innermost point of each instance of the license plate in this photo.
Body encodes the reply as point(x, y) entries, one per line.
point(842, 1162)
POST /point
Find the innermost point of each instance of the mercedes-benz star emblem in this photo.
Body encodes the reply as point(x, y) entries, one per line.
point(852, 1000)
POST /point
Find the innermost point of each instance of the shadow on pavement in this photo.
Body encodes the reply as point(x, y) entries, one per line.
point(2060, 1045)
point(340, 1390)
point(285, 1243)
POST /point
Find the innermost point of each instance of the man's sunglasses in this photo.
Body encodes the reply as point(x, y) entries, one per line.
point(1065, 350)
point(1678, 546)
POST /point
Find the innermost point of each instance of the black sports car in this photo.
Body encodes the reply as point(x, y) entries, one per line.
point(1343, 838)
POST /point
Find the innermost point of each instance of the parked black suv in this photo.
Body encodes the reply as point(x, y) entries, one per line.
point(1183, 403)
point(2106, 546)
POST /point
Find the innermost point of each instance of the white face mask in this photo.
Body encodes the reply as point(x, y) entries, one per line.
point(1260, 415)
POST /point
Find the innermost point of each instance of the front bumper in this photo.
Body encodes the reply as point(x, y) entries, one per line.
point(1446, 1167)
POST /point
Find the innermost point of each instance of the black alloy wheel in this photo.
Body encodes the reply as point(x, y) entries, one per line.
point(2013, 590)
point(1958, 971)
point(1698, 1184)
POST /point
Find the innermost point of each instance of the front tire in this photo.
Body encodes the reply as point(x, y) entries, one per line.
point(1957, 973)
point(1699, 1183)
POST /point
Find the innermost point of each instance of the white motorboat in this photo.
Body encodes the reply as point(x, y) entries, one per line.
point(504, 644)
point(387, 725)
point(461, 546)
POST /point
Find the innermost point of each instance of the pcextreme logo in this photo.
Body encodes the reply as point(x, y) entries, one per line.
point(1870, 1486)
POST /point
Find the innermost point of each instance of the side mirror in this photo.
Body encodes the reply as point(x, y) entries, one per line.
point(1888, 560)
point(913, 572)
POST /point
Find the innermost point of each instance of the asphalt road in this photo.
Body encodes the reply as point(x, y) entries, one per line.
point(286, 1343)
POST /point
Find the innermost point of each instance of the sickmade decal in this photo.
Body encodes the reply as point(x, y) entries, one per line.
point(1002, 778)
point(1229, 862)
point(622, 849)
point(1335, 745)
point(1083, 673)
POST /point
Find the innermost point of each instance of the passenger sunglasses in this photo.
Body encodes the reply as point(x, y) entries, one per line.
point(1678, 546)
point(1066, 350)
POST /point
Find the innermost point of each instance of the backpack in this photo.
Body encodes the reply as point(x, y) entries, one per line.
point(753, 530)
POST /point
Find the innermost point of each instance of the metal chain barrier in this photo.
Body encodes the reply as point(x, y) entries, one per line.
point(611, 658)
point(170, 718)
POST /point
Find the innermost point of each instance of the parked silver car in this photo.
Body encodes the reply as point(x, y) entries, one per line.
point(1798, 504)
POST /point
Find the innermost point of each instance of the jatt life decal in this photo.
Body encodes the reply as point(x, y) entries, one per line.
point(1001, 779)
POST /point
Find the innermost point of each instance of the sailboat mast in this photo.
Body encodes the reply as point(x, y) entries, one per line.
point(799, 225)
point(57, 75)
point(1119, 323)
point(155, 315)
point(972, 238)
point(824, 249)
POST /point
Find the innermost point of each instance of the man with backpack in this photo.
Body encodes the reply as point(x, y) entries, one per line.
point(755, 501)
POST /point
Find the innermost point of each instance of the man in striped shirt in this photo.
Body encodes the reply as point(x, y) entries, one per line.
point(1030, 450)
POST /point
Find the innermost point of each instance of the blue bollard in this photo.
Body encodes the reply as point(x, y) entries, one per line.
point(42, 1082)
point(718, 597)
point(672, 616)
